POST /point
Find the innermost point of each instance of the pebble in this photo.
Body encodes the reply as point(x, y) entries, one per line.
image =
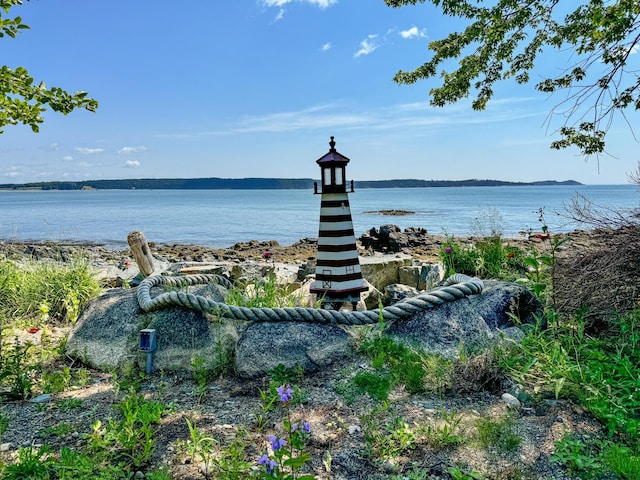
point(510, 400)
point(4, 447)
point(139, 474)
point(44, 398)
point(354, 429)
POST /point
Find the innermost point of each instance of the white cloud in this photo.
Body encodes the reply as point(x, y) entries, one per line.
point(279, 15)
point(67, 158)
point(401, 117)
point(635, 49)
point(54, 146)
point(326, 46)
point(85, 164)
point(129, 150)
point(131, 164)
point(413, 32)
point(88, 151)
point(367, 46)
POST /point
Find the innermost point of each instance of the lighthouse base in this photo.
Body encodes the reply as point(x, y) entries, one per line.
point(331, 301)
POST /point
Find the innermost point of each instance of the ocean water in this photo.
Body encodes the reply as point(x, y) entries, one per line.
point(220, 218)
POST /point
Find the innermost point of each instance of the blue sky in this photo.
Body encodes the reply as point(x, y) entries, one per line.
point(254, 88)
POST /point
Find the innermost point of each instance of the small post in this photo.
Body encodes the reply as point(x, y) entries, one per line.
point(140, 250)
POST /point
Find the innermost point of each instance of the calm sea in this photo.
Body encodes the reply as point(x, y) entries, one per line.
point(220, 218)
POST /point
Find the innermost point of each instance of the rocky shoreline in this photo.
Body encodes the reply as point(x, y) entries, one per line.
point(414, 242)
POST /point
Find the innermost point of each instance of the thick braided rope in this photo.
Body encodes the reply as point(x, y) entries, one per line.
point(454, 288)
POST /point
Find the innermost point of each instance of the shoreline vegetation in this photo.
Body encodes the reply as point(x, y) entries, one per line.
point(215, 183)
point(386, 413)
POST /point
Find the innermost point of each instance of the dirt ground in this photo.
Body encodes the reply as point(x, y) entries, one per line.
point(341, 422)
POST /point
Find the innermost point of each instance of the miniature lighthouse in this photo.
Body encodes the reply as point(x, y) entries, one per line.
point(338, 275)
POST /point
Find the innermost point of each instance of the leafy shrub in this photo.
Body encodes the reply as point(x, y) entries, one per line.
point(488, 258)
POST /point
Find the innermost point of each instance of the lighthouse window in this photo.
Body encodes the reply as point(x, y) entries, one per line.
point(327, 176)
point(339, 180)
point(350, 269)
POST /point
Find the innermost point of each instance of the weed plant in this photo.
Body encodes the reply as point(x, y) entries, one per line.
point(397, 364)
point(488, 258)
point(261, 293)
point(443, 433)
point(57, 290)
point(386, 438)
point(602, 373)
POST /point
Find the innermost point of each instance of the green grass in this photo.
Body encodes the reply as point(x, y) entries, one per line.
point(46, 291)
point(601, 373)
point(498, 432)
point(487, 258)
point(396, 364)
point(262, 293)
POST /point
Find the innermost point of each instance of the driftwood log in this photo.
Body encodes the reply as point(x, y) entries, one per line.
point(140, 250)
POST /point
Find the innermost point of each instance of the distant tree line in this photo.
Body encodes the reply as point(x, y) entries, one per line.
point(254, 184)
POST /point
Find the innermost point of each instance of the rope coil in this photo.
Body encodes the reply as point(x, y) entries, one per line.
point(456, 287)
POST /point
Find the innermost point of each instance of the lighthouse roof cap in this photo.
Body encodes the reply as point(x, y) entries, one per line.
point(333, 156)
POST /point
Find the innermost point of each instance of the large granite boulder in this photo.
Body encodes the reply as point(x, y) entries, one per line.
point(265, 345)
point(473, 322)
point(106, 335)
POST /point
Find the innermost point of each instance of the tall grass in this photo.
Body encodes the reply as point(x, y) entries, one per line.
point(262, 293)
point(54, 291)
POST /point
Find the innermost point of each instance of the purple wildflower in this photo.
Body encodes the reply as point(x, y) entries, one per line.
point(285, 392)
point(268, 463)
point(306, 427)
point(277, 443)
point(448, 250)
point(295, 427)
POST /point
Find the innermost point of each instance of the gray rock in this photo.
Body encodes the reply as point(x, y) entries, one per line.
point(44, 398)
point(475, 321)
point(265, 345)
point(106, 335)
point(383, 270)
point(510, 400)
point(423, 276)
point(398, 292)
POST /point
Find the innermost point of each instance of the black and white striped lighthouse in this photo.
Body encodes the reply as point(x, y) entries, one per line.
point(338, 275)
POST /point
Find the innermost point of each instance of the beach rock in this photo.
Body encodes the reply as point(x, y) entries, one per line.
point(383, 270)
point(390, 238)
point(397, 292)
point(265, 345)
point(473, 322)
point(423, 276)
point(106, 335)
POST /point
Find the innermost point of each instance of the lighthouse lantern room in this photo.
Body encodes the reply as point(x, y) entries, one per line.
point(338, 275)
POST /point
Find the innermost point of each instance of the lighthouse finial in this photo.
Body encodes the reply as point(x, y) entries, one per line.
point(332, 144)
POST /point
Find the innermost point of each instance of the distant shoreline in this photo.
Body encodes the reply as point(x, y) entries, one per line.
point(258, 184)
